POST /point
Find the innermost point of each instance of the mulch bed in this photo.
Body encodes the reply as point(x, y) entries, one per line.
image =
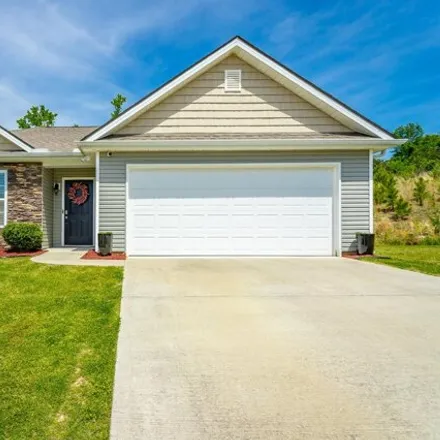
point(355, 256)
point(11, 254)
point(92, 255)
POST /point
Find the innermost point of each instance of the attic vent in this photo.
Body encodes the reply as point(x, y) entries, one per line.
point(232, 80)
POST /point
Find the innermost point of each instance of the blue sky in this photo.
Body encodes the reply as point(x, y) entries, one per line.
point(380, 57)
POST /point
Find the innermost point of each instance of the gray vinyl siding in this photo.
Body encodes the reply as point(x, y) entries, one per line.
point(59, 173)
point(262, 106)
point(48, 199)
point(355, 209)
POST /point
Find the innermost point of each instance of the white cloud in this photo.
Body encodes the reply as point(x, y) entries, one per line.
point(65, 54)
point(74, 55)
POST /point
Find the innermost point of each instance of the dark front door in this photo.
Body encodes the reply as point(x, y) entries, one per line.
point(78, 212)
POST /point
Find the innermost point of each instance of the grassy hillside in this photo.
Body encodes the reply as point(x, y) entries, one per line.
point(407, 189)
point(419, 225)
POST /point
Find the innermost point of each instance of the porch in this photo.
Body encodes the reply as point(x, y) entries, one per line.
point(69, 207)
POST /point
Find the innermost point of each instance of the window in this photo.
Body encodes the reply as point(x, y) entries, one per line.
point(3, 196)
point(232, 80)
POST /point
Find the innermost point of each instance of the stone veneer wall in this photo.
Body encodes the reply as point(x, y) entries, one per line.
point(25, 192)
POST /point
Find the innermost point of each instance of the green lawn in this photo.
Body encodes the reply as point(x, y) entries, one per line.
point(425, 259)
point(58, 331)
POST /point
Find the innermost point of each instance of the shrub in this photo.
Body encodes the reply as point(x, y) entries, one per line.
point(23, 236)
point(399, 237)
point(435, 221)
point(435, 172)
point(430, 241)
point(380, 193)
point(405, 232)
point(402, 209)
point(420, 191)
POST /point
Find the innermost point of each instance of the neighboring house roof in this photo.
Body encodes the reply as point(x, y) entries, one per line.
point(11, 137)
point(53, 138)
point(260, 60)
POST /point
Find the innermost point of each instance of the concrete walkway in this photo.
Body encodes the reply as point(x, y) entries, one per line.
point(72, 257)
point(276, 349)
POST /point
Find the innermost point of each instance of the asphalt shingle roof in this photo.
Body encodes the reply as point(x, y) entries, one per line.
point(66, 138)
point(53, 138)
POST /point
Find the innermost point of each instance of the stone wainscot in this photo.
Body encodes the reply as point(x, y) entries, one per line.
point(25, 193)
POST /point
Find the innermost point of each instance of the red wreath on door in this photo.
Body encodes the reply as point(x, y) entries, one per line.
point(78, 193)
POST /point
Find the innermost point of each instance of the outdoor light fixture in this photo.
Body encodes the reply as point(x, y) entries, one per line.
point(56, 188)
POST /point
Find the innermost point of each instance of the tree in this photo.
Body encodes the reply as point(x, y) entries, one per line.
point(385, 185)
point(410, 131)
point(37, 116)
point(435, 221)
point(420, 191)
point(392, 196)
point(420, 154)
point(402, 209)
point(117, 102)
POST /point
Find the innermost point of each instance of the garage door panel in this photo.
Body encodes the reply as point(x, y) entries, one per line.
point(318, 221)
point(144, 221)
point(238, 211)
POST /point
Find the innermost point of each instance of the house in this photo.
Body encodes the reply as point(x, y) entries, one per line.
point(237, 155)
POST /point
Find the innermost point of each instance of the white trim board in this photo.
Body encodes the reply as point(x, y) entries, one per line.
point(242, 145)
point(96, 219)
point(15, 140)
point(258, 59)
point(371, 189)
point(335, 166)
point(63, 206)
point(5, 216)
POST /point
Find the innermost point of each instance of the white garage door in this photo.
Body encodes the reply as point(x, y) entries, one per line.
point(236, 210)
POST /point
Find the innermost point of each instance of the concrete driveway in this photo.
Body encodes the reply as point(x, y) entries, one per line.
point(266, 349)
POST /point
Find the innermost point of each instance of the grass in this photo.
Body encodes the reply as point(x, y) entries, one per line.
point(425, 259)
point(58, 332)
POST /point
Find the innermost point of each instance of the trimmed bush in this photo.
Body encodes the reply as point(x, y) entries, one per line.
point(23, 236)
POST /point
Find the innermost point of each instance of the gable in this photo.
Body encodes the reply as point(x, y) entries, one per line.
point(262, 106)
point(6, 145)
point(263, 62)
point(10, 142)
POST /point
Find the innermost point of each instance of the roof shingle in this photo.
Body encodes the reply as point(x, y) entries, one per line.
point(53, 138)
point(66, 138)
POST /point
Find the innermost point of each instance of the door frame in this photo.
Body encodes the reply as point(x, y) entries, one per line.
point(337, 191)
point(63, 207)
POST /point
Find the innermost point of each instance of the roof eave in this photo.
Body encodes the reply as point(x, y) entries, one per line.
point(34, 155)
point(242, 144)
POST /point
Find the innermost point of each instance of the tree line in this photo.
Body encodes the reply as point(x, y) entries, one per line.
point(418, 158)
point(40, 116)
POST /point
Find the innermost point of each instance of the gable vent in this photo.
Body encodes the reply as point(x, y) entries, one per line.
point(232, 80)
